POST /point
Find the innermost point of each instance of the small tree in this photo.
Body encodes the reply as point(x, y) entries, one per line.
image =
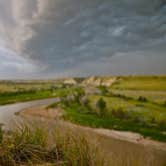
point(85, 101)
point(101, 106)
point(164, 103)
point(77, 98)
point(120, 113)
point(162, 124)
point(103, 90)
point(87, 104)
point(142, 98)
point(64, 101)
point(79, 95)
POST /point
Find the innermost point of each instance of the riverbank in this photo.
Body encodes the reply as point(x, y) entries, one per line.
point(112, 142)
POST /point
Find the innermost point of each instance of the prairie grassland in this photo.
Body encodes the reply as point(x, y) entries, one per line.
point(35, 94)
point(154, 96)
point(18, 91)
point(154, 83)
point(17, 86)
point(143, 109)
point(151, 87)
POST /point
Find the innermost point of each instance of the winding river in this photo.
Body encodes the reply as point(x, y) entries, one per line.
point(7, 112)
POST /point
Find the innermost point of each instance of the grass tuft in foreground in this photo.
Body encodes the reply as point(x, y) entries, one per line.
point(32, 145)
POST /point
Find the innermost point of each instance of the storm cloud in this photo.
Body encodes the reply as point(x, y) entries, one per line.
point(79, 37)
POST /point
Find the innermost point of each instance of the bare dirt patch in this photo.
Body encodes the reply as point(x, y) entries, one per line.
point(42, 112)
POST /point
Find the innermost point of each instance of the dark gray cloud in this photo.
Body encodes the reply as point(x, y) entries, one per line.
point(66, 35)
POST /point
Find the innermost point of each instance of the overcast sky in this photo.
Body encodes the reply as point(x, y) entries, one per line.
point(56, 38)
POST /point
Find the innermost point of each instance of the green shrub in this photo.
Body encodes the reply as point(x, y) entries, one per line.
point(101, 107)
point(80, 93)
point(77, 98)
point(142, 99)
point(164, 104)
point(85, 102)
point(104, 90)
point(137, 119)
point(120, 113)
point(54, 105)
point(152, 120)
point(162, 124)
point(64, 101)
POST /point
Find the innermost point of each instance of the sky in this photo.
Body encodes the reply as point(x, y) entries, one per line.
point(59, 38)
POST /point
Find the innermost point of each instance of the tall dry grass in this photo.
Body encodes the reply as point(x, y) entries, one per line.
point(34, 145)
point(63, 144)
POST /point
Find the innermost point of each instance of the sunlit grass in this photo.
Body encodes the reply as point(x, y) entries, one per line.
point(155, 83)
point(144, 109)
point(154, 96)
